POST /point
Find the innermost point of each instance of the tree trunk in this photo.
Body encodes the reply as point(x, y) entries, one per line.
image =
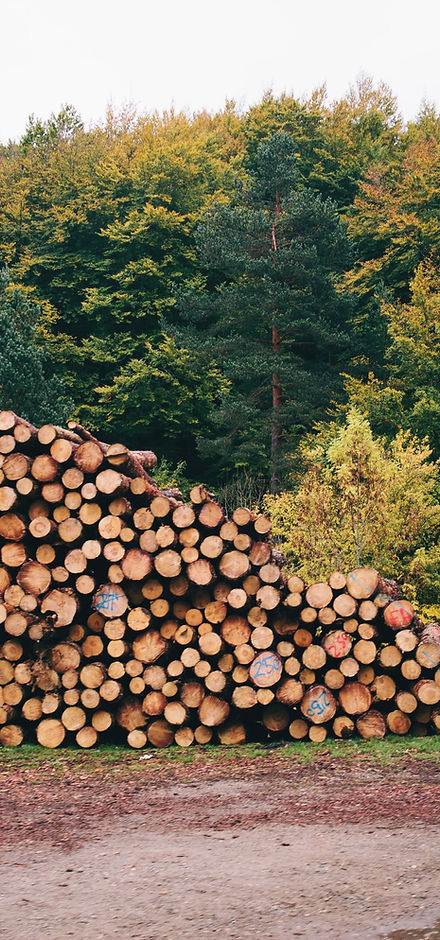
point(276, 384)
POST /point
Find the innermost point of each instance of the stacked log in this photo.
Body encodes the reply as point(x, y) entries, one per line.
point(129, 614)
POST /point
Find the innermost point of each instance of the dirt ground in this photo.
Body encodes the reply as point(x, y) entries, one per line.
point(261, 848)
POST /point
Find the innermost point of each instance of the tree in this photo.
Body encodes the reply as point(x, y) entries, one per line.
point(162, 398)
point(424, 572)
point(360, 501)
point(271, 314)
point(99, 224)
point(335, 143)
point(408, 395)
point(28, 384)
point(360, 129)
point(394, 220)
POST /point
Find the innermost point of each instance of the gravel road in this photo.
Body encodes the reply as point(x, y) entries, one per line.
point(267, 852)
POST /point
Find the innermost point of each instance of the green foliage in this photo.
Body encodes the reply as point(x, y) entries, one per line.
point(360, 502)
point(271, 314)
point(362, 129)
point(382, 404)
point(424, 570)
point(99, 224)
point(335, 143)
point(413, 353)
point(168, 476)
point(394, 222)
point(100, 227)
point(28, 384)
point(409, 394)
point(163, 397)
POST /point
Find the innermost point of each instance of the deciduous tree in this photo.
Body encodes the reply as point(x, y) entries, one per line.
point(360, 502)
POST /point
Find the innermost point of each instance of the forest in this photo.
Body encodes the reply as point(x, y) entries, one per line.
point(255, 296)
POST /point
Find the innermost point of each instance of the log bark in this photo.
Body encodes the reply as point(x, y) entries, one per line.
point(63, 603)
point(244, 696)
point(50, 732)
point(344, 605)
point(398, 615)
point(427, 691)
point(268, 597)
point(110, 600)
point(149, 646)
point(160, 733)
point(65, 656)
point(234, 565)
point(298, 729)
point(168, 563)
point(235, 630)
point(276, 717)
point(200, 572)
point(232, 734)
point(390, 657)
point(365, 651)
point(290, 692)
point(406, 702)
point(428, 654)
point(337, 644)
point(115, 594)
point(319, 595)
point(383, 688)
point(211, 515)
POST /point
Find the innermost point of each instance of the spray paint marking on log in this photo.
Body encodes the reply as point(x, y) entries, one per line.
point(107, 601)
point(400, 614)
point(382, 597)
point(266, 666)
point(319, 705)
point(426, 655)
point(338, 647)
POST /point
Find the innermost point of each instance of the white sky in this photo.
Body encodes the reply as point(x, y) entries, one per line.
point(196, 53)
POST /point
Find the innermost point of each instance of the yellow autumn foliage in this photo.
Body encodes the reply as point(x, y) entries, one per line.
point(360, 501)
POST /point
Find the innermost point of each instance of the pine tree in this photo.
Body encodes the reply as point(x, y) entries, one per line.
point(28, 384)
point(270, 313)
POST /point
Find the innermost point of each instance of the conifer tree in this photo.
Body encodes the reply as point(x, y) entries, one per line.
point(28, 384)
point(269, 313)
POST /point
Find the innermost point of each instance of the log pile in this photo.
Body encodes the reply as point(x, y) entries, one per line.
point(127, 614)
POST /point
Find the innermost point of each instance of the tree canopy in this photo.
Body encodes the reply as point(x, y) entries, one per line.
point(107, 228)
point(270, 312)
point(28, 383)
point(360, 501)
point(254, 294)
